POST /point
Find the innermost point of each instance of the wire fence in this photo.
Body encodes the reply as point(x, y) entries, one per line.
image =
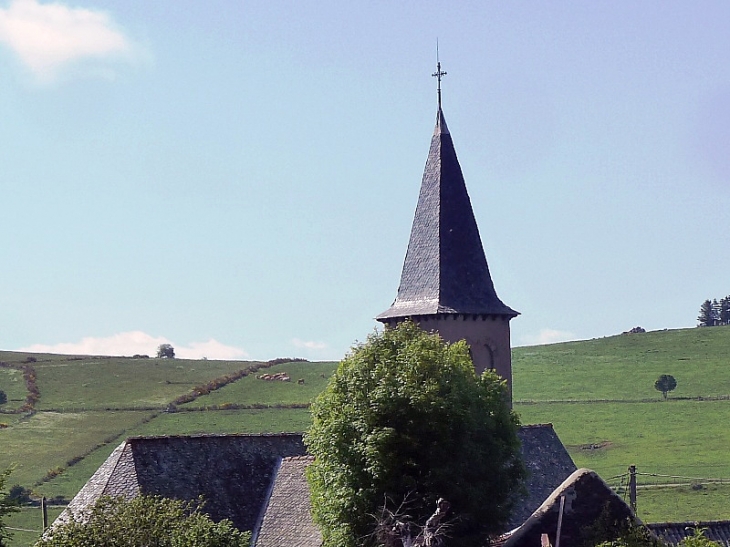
point(621, 484)
point(658, 480)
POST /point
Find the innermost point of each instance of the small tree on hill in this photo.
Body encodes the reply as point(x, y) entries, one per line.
point(405, 418)
point(665, 383)
point(166, 351)
point(3, 397)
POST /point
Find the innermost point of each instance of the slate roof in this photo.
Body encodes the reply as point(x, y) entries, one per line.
point(674, 532)
point(258, 481)
point(548, 464)
point(115, 477)
point(233, 473)
point(445, 270)
point(287, 518)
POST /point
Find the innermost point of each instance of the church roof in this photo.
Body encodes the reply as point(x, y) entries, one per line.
point(258, 481)
point(287, 516)
point(548, 464)
point(233, 473)
point(445, 270)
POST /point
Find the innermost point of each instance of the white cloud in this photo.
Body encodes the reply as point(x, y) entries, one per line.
point(546, 336)
point(212, 349)
point(49, 37)
point(137, 342)
point(311, 345)
point(124, 343)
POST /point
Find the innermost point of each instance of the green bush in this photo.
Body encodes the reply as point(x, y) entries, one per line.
point(19, 495)
point(698, 539)
point(145, 521)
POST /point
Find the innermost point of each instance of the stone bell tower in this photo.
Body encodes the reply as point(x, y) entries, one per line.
point(445, 285)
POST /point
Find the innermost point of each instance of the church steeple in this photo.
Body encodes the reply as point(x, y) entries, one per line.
point(445, 269)
point(445, 284)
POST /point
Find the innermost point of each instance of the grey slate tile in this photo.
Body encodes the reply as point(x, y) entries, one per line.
point(673, 533)
point(287, 521)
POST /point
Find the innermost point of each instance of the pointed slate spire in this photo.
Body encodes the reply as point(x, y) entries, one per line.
point(445, 269)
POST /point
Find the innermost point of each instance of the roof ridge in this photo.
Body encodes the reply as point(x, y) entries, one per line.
point(213, 435)
point(306, 457)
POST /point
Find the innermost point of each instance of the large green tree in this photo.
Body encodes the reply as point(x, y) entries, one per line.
point(405, 418)
point(143, 522)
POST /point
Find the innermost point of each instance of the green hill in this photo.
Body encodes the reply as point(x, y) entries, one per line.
point(599, 394)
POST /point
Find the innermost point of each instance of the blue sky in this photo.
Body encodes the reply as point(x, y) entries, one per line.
point(239, 178)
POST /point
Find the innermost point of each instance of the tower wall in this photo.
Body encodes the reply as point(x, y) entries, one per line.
point(488, 337)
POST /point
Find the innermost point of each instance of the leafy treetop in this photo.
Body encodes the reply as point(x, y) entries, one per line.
point(145, 521)
point(405, 418)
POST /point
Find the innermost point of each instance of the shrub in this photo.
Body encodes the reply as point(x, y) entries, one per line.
point(698, 539)
point(19, 495)
point(145, 521)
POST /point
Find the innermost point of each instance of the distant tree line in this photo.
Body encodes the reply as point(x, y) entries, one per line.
point(714, 313)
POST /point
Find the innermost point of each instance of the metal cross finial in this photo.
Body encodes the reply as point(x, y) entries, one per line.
point(438, 73)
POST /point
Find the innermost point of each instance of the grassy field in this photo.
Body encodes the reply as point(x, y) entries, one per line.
point(255, 391)
point(27, 524)
point(629, 431)
point(45, 441)
point(599, 394)
point(624, 368)
point(97, 384)
point(12, 384)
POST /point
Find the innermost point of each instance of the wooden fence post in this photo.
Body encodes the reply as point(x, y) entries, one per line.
point(44, 508)
point(632, 487)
